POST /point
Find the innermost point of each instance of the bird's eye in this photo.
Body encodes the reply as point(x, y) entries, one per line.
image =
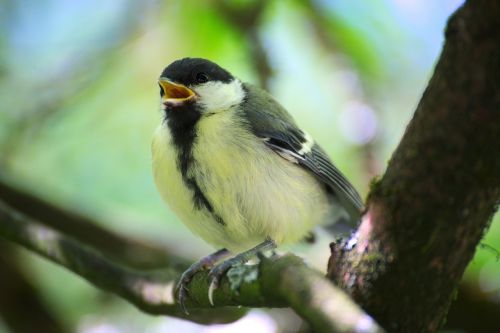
point(162, 92)
point(201, 78)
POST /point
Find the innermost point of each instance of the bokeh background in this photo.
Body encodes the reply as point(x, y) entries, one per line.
point(79, 103)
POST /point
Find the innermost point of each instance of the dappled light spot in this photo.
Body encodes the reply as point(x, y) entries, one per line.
point(358, 123)
point(157, 293)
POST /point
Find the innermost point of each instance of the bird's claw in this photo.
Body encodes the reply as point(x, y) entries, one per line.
point(182, 290)
point(213, 285)
point(187, 276)
point(217, 273)
point(181, 298)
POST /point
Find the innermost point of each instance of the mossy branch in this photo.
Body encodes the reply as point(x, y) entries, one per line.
point(275, 282)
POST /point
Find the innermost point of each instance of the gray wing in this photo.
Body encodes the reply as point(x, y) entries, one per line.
point(271, 122)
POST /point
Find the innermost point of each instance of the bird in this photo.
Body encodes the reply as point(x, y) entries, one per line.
point(238, 171)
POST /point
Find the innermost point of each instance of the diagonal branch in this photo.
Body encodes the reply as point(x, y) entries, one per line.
point(150, 291)
point(85, 230)
point(275, 282)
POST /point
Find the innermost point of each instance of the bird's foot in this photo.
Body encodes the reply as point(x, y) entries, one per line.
point(186, 277)
point(217, 272)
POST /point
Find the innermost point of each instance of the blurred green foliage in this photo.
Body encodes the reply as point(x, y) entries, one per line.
point(79, 103)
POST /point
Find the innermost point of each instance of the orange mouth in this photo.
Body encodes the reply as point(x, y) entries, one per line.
point(175, 94)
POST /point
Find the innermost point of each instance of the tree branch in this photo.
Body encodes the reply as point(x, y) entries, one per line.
point(245, 19)
point(429, 211)
point(150, 291)
point(275, 282)
point(86, 230)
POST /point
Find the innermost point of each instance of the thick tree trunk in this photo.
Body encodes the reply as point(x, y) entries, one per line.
point(427, 214)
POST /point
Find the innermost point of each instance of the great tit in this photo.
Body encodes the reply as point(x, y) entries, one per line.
point(234, 166)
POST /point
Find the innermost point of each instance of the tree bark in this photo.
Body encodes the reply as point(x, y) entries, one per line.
point(429, 211)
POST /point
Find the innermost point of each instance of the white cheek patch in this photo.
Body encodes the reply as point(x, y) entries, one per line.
point(216, 96)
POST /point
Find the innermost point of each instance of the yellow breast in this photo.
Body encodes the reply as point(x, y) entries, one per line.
point(257, 193)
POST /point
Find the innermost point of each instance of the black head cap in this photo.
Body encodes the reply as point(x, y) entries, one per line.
point(192, 71)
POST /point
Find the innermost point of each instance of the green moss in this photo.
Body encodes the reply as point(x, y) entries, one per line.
point(454, 297)
point(375, 184)
point(376, 188)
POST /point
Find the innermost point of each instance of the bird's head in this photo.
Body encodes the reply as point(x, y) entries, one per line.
point(200, 84)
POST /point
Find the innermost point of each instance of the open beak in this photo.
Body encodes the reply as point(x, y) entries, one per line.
point(175, 94)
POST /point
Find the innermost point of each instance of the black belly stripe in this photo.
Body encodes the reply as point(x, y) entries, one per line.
point(182, 122)
point(200, 200)
point(219, 219)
